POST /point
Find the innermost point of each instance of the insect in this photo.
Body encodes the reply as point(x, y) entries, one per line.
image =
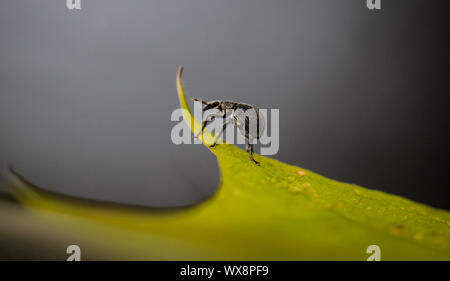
point(245, 117)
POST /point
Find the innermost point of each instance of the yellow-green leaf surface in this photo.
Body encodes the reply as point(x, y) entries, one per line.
point(274, 211)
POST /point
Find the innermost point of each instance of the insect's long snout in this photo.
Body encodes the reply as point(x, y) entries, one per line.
point(202, 101)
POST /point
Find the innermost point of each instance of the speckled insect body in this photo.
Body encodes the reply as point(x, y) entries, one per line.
point(247, 118)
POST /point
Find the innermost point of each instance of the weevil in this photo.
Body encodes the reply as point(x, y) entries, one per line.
point(245, 117)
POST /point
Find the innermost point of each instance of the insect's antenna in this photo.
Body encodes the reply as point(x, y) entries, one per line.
point(202, 101)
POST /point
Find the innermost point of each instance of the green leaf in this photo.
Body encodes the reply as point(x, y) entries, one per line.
point(270, 212)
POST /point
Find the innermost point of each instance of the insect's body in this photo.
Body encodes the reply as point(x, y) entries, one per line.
point(245, 117)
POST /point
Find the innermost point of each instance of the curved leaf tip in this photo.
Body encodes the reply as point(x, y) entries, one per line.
point(194, 125)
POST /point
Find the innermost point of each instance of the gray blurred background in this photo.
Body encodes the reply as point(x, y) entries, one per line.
point(86, 96)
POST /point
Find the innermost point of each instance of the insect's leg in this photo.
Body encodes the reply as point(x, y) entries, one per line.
point(249, 145)
point(204, 123)
point(247, 127)
point(208, 119)
point(221, 131)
